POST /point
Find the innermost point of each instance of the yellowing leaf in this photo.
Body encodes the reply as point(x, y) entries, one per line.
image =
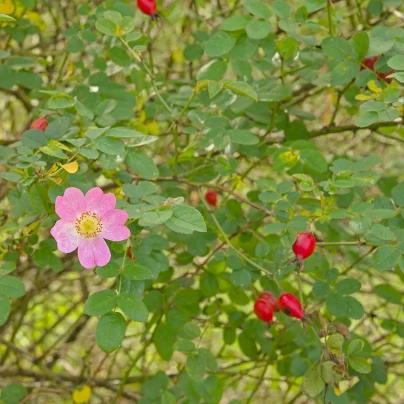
point(373, 86)
point(344, 385)
point(177, 55)
point(7, 7)
point(142, 116)
point(71, 168)
point(36, 19)
point(81, 396)
point(364, 97)
point(153, 128)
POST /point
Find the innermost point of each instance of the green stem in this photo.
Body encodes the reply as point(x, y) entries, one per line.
point(330, 22)
point(238, 252)
point(139, 58)
point(325, 243)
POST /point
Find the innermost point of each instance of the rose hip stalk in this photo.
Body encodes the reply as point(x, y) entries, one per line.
point(211, 197)
point(263, 310)
point(290, 305)
point(40, 124)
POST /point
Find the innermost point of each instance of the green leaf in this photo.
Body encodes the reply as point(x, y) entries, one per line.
point(113, 147)
point(397, 194)
point(320, 290)
point(313, 383)
point(366, 118)
point(5, 308)
point(13, 393)
point(360, 225)
point(336, 305)
point(388, 293)
point(191, 330)
point(344, 72)
point(348, 286)
point(141, 164)
point(360, 44)
point(186, 219)
point(133, 307)
point(105, 26)
point(355, 309)
point(241, 88)
point(306, 182)
point(273, 228)
point(355, 346)
point(214, 70)
point(337, 48)
point(241, 136)
point(155, 218)
point(138, 272)
point(214, 88)
point(382, 232)
point(10, 176)
point(164, 338)
point(235, 23)
point(100, 303)
point(110, 331)
point(385, 257)
point(34, 139)
point(196, 367)
point(219, 44)
point(111, 270)
point(247, 345)
point(281, 9)
point(11, 286)
point(335, 341)
point(359, 364)
point(396, 62)
point(258, 29)
point(6, 18)
point(258, 8)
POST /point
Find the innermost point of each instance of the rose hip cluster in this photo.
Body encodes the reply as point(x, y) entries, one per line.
point(267, 304)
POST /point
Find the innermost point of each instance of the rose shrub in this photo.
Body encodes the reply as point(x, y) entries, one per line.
point(182, 156)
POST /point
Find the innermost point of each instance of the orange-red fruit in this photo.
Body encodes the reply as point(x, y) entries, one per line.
point(271, 299)
point(369, 62)
point(129, 254)
point(263, 310)
point(211, 197)
point(304, 245)
point(290, 305)
point(39, 124)
point(147, 7)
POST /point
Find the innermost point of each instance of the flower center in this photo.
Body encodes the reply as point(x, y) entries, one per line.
point(88, 225)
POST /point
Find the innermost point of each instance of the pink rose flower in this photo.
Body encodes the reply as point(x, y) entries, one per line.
point(85, 222)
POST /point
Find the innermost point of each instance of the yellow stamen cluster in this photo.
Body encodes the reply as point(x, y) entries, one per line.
point(88, 225)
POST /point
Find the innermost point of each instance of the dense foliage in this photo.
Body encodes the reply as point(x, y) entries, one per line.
point(223, 128)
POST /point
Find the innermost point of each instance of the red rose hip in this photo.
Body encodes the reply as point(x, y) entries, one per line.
point(211, 197)
point(290, 305)
point(147, 7)
point(369, 62)
point(271, 299)
point(40, 124)
point(263, 310)
point(304, 245)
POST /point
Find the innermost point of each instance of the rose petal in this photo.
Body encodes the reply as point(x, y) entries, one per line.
point(98, 202)
point(66, 236)
point(94, 251)
point(113, 225)
point(70, 205)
